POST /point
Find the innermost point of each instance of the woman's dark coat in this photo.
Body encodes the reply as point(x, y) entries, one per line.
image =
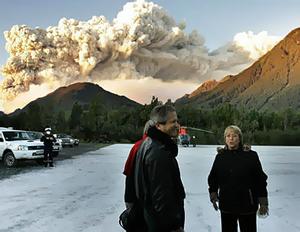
point(238, 178)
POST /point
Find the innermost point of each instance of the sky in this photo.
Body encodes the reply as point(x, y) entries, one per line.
point(216, 21)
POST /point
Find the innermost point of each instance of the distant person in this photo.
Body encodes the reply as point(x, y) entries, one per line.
point(238, 182)
point(157, 178)
point(130, 195)
point(194, 140)
point(48, 139)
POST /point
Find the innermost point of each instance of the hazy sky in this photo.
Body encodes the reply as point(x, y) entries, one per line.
point(218, 21)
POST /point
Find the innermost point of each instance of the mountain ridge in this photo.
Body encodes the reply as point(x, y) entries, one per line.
point(271, 82)
point(83, 93)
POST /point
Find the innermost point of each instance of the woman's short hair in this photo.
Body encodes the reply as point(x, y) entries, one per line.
point(236, 130)
point(159, 114)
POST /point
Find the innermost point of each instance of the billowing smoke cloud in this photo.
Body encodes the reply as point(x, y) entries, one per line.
point(255, 45)
point(142, 42)
point(237, 55)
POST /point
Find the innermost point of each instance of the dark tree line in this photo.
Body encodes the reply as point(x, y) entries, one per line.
point(259, 127)
point(91, 123)
point(94, 122)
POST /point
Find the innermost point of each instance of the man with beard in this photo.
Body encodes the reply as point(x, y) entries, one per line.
point(157, 178)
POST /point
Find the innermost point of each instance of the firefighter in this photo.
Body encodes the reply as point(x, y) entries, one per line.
point(194, 140)
point(48, 139)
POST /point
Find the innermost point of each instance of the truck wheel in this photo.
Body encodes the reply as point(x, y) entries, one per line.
point(9, 160)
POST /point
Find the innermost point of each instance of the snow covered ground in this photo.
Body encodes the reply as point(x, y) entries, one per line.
point(86, 193)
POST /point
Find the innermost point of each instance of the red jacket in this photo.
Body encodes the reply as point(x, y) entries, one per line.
point(130, 160)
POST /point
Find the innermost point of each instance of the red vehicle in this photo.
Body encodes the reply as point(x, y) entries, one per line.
point(185, 139)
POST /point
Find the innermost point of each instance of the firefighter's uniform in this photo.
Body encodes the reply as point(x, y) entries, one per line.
point(48, 139)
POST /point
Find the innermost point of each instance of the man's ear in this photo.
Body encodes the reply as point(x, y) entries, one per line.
point(157, 125)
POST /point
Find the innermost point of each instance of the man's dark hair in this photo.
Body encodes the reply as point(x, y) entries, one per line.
point(159, 114)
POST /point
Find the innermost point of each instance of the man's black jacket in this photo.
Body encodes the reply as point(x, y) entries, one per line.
point(157, 180)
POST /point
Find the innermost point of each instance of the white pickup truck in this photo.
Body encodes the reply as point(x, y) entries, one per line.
point(17, 145)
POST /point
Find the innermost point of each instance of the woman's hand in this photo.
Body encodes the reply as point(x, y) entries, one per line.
point(263, 210)
point(214, 199)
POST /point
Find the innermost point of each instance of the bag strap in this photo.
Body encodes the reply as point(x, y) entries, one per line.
point(121, 224)
point(122, 215)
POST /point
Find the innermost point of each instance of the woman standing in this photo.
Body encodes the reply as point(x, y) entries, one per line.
point(238, 182)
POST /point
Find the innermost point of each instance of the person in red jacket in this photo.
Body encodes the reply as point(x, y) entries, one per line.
point(130, 196)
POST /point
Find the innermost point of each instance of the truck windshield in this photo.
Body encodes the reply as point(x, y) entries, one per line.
point(15, 135)
point(34, 135)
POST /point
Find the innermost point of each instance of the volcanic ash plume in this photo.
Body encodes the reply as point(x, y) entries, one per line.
point(240, 53)
point(141, 42)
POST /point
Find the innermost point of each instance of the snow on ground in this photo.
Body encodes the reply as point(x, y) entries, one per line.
point(86, 193)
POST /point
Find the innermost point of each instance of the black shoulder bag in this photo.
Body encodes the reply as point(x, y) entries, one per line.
point(132, 218)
